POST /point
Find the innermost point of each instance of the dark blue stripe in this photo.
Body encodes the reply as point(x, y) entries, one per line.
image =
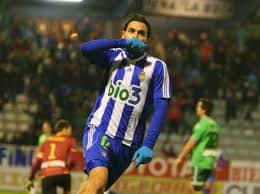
point(121, 72)
point(106, 117)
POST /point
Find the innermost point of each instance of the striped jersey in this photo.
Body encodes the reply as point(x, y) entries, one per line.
point(129, 89)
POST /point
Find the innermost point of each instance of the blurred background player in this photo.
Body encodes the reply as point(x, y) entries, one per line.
point(46, 132)
point(54, 159)
point(204, 144)
point(46, 129)
point(133, 84)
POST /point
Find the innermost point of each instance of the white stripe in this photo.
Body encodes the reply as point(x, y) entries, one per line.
point(119, 105)
point(97, 116)
point(165, 82)
point(90, 136)
point(53, 163)
point(212, 153)
point(195, 178)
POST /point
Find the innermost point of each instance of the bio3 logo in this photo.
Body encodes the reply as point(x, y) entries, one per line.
point(130, 96)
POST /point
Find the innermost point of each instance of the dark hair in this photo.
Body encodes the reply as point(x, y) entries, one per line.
point(61, 124)
point(207, 105)
point(139, 18)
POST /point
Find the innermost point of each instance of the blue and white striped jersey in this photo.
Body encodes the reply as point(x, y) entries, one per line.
point(131, 87)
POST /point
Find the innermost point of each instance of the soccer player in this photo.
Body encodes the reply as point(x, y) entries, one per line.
point(53, 157)
point(134, 83)
point(46, 128)
point(204, 144)
point(46, 132)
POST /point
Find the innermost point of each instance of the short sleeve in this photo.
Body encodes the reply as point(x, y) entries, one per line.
point(161, 82)
point(197, 131)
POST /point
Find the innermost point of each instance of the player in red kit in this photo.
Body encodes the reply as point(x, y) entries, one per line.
point(54, 159)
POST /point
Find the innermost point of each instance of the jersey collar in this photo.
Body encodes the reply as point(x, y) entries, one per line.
point(134, 60)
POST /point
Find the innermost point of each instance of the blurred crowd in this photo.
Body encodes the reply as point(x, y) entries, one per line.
point(40, 59)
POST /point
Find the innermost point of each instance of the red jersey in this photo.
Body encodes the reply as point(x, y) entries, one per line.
point(55, 154)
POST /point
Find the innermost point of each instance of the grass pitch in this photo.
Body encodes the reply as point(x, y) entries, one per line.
point(12, 192)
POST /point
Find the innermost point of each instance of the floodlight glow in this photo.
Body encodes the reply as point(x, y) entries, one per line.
point(70, 1)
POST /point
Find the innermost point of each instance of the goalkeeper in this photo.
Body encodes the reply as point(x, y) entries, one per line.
point(54, 159)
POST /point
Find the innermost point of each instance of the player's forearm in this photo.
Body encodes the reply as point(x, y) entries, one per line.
point(160, 107)
point(71, 163)
point(187, 148)
point(35, 166)
point(101, 44)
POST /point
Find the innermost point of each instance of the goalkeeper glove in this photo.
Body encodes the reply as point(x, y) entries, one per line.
point(142, 156)
point(134, 43)
point(29, 185)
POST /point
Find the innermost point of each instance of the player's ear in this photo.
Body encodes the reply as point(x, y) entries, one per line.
point(122, 34)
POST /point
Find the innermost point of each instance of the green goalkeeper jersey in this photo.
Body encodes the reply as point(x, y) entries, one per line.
point(206, 133)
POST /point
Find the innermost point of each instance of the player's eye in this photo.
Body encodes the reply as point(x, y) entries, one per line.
point(131, 30)
point(141, 32)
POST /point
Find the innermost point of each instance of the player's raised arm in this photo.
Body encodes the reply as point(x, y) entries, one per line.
point(101, 44)
point(97, 51)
